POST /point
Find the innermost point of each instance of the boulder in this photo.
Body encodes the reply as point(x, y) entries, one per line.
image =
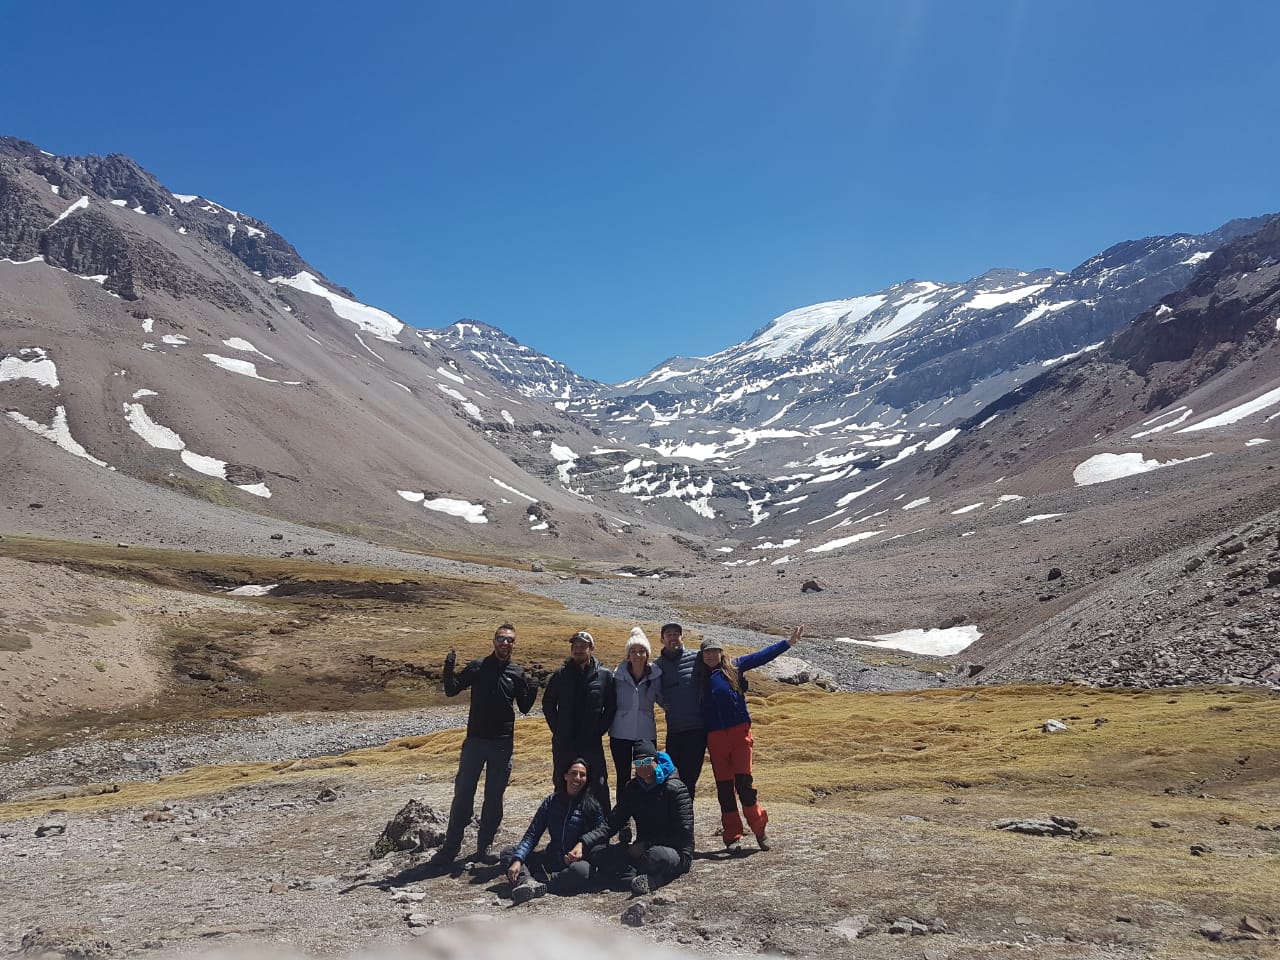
point(416, 827)
point(1053, 827)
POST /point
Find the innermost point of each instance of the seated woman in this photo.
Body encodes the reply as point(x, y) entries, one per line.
point(565, 864)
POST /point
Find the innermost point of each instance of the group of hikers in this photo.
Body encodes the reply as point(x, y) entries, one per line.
point(702, 695)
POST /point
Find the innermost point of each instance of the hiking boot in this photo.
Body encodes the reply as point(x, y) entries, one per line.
point(527, 891)
point(484, 857)
point(443, 857)
point(762, 841)
point(640, 885)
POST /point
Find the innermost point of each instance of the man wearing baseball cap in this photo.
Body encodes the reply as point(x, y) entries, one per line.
point(498, 686)
point(579, 704)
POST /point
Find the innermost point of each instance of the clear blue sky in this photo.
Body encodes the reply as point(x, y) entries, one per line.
point(613, 183)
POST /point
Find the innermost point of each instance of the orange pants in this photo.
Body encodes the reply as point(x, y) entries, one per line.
point(731, 752)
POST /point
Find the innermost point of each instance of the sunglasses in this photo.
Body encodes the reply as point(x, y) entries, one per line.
point(644, 762)
point(504, 639)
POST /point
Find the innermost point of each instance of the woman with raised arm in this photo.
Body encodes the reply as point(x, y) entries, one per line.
point(722, 684)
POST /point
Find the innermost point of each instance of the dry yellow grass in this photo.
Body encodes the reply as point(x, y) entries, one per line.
point(992, 735)
point(842, 750)
point(345, 637)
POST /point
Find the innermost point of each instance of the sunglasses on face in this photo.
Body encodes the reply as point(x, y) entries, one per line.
point(646, 762)
point(504, 639)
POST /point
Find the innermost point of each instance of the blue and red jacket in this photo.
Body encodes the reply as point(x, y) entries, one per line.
point(722, 706)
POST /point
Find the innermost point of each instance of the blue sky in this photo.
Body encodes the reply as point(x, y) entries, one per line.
point(615, 183)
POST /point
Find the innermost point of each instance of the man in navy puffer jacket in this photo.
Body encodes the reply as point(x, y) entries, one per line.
point(680, 700)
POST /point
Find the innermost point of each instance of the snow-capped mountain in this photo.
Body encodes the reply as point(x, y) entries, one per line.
point(828, 392)
point(521, 368)
point(166, 338)
point(1026, 450)
point(917, 347)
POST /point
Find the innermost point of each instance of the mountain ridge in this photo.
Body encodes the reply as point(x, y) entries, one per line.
point(896, 437)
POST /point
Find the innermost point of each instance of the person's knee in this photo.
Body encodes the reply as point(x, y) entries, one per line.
point(596, 855)
point(572, 879)
point(724, 791)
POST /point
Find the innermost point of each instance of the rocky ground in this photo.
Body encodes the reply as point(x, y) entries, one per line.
point(288, 862)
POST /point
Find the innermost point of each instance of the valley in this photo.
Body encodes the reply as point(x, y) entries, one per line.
point(1030, 521)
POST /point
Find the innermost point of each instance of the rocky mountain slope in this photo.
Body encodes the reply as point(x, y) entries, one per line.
point(929, 454)
point(169, 338)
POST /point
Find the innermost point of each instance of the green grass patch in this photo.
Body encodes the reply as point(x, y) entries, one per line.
point(211, 490)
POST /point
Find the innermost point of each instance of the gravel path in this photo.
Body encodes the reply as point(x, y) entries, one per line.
point(842, 662)
point(174, 748)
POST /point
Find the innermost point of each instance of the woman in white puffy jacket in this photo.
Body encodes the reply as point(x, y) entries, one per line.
point(637, 686)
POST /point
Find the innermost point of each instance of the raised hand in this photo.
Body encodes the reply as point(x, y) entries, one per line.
point(796, 633)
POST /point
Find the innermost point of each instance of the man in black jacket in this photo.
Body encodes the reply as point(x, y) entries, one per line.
point(579, 704)
point(498, 685)
point(663, 811)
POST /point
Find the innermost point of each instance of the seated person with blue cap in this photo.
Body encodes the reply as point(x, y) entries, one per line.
point(660, 805)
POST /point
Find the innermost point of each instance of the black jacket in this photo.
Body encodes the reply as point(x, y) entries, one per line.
point(663, 816)
point(495, 686)
point(579, 704)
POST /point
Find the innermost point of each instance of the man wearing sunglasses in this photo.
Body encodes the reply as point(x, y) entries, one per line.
point(498, 685)
point(579, 705)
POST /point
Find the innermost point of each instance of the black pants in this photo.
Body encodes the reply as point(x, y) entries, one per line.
point(597, 769)
point(622, 763)
point(687, 750)
point(493, 758)
point(560, 880)
point(660, 864)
